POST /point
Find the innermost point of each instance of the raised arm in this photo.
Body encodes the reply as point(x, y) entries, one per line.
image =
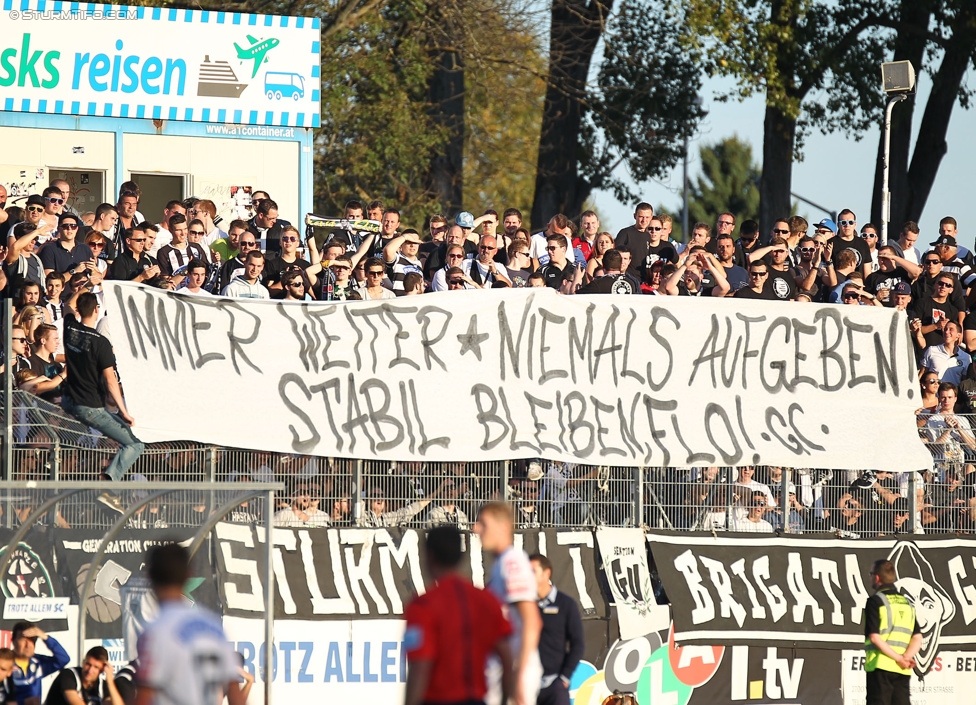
point(19, 245)
point(721, 287)
point(392, 247)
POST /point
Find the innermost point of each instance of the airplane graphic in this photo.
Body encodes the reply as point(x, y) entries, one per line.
point(257, 52)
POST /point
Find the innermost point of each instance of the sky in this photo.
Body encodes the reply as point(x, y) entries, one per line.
point(837, 171)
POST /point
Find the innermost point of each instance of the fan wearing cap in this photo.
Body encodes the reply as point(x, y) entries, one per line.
point(467, 223)
point(400, 257)
point(34, 215)
point(825, 227)
point(31, 668)
point(901, 296)
point(947, 250)
point(892, 269)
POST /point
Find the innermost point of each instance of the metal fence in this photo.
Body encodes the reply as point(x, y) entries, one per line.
point(48, 445)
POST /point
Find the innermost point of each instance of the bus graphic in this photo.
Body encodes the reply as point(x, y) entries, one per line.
point(278, 84)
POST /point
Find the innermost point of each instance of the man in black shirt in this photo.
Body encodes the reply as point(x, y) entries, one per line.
point(925, 284)
point(935, 309)
point(847, 239)
point(613, 280)
point(84, 682)
point(757, 289)
point(561, 642)
point(125, 679)
point(438, 257)
point(66, 253)
point(91, 381)
point(235, 266)
point(657, 249)
point(892, 269)
point(133, 264)
point(635, 238)
point(747, 242)
point(559, 273)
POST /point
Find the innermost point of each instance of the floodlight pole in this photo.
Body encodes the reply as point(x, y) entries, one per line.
point(885, 195)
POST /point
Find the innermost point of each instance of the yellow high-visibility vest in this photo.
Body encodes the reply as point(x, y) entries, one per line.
point(896, 628)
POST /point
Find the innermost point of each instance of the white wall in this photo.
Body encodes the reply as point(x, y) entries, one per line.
point(35, 153)
point(215, 165)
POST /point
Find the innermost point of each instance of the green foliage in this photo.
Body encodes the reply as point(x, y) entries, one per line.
point(504, 94)
point(646, 99)
point(376, 140)
point(728, 182)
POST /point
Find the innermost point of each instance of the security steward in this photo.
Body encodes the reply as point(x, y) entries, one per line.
point(561, 643)
point(891, 639)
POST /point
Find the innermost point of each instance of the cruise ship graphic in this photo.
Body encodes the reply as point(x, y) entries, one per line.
point(218, 80)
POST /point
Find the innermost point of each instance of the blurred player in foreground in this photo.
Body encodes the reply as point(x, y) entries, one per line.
point(184, 657)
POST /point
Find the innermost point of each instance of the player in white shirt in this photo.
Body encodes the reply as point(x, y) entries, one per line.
point(513, 583)
point(184, 657)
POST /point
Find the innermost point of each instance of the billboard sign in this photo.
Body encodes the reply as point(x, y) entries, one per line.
point(161, 64)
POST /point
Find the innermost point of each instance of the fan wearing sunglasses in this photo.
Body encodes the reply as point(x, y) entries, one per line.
point(34, 215)
point(67, 254)
point(936, 308)
point(53, 202)
point(375, 273)
point(847, 239)
point(810, 272)
point(19, 350)
point(747, 242)
point(287, 260)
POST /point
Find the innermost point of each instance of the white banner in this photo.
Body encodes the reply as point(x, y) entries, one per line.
point(351, 661)
point(163, 64)
point(624, 555)
point(638, 381)
point(952, 676)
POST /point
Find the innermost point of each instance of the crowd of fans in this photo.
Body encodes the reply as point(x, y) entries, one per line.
point(55, 255)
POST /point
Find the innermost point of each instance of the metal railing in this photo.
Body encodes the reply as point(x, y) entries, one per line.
point(49, 445)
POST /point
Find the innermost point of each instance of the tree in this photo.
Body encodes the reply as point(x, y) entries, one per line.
point(575, 30)
point(728, 182)
point(638, 114)
point(953, 41)
point(376, 139)
point(817, 65)
point(445, 100)
point(504, 92)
